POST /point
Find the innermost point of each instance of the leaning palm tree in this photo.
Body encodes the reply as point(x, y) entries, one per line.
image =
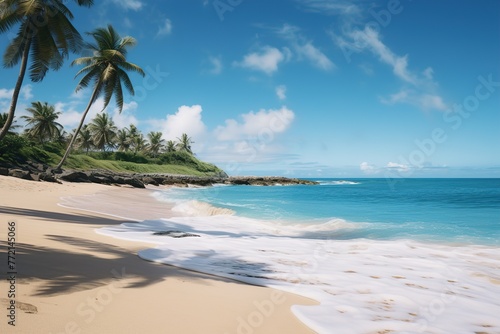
point(184, 143)
point(170, 146)
point(156, 143)
point(106, 69)
point(45, 34)
point(43, 122)
point(103, 131)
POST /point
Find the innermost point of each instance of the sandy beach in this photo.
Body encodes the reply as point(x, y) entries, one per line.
point(69, 279)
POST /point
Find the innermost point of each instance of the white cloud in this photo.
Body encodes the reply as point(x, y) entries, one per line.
point(264, 123)
point(313, 54)
point(370, 39)
point(216, 63)
point(305, 48)
point(187, 119)
point(129, 4)
point(126, 117)
point(266, 60)
point(422, 94)
point(422, 100)
point(281, 92)
point(165, 29)
point(398, 167)
point(370, 169)
point(25, 93)
point(429, 73)
point(70, 117)
point(332, 7)
point(429, 101)
point(367, 168)
point(6, 93)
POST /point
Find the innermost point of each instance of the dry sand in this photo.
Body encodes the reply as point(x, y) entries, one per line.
point(72, 280)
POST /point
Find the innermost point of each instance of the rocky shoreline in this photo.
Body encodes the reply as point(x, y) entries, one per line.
point(41, 172)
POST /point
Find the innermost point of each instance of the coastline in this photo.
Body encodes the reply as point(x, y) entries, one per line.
point(96, 284)
point(363, 284)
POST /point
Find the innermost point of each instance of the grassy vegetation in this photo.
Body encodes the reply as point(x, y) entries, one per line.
point(17, 149)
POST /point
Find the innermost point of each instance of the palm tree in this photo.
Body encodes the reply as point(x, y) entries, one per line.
point(133, 131)
point(43, 122)
point(45, 33)
point(156, 143)
point(184, 143)
point(106, 68)
point(63, 138)
point(123, 140)
point(170, 146)
point(3, 120)
point(103, 131)
point(84, 140)
point(139, 144)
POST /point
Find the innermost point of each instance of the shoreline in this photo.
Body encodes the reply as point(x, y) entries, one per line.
point(91, 282)
point(363, 285)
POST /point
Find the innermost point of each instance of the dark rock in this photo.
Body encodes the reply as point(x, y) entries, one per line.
point(4, 171)
point(40, 167)
point(239, 182)
point(19, 173)
point(74, 176)
point(48, 177)
point(149, 180)
point(132, 181)
point(176, 234)
point(101, 178)
point(118, 179)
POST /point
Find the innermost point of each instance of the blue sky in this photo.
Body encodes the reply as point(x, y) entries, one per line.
point(309, 88)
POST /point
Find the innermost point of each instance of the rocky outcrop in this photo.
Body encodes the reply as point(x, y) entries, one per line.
point(41, 172)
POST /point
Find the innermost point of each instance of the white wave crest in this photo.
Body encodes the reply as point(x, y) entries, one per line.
point(201, 209)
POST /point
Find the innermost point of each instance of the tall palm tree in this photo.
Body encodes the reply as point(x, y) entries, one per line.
point(45, 34)
point(156, 143)
point(170, 146)
point(106, 69)
point(84, 140)
point(103, 131)
point(43, 122)
point(184, 143)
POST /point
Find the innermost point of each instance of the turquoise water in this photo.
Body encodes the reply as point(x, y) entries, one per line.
point(416, 256)
point(435, 210)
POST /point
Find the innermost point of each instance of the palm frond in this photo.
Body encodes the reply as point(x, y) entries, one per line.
point(132, 67)
point(14, 51)
point(126, 81)
point(118, 94)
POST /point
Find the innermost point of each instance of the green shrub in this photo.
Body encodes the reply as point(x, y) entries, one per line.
point(131, 157)
point(10, 146)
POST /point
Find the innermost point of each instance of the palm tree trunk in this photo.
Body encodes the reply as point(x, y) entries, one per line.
point(73, 139)
point(17, 90)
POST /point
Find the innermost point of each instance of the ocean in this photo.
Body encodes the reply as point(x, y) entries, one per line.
point(405, 255)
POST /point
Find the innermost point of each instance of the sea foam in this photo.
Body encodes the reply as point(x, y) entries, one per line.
point(363, 286)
